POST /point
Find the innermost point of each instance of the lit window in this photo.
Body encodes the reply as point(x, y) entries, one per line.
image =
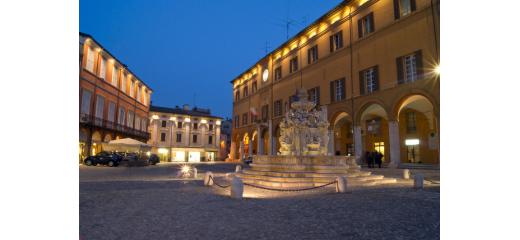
point(114, 76)
point(103, 68)
point(90, 59)
point(123, 82)
point(132, 88)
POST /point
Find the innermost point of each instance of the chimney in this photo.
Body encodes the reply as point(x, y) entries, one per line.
point(186, 107)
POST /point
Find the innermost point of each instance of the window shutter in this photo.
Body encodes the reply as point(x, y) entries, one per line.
point(360, 28)
point(331, 40)
point(343, 92)
point(318, 96)
point(400, 74)
point(361, 84)
point(419, 64)
point(376, 75)
point(371, 19)
point(396, 9)
point(340, 39)
point(332, 91)
point(412, 5)
point(309, 56)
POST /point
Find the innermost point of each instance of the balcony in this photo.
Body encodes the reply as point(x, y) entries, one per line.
point(89, 120)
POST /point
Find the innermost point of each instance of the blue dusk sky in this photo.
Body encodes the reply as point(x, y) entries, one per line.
point(188, 51)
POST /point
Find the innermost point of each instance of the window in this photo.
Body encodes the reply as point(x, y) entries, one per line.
point(314, 95)
point(312, 54)
point(85, 101)
point(277, 73)
point(195, 126)
point(123, 82)
point(368, 80)
point(194, 138)
point(163, 123)
point(337, 90)
point(237, 95)
point(111, 111)
point(114, 75)
point(409, 67)
point(254, 87)
point(211, 127)
point(100, 103)
point(210, 139)
point(138, 92)
point(366, 25)
point(293, 65)
point(244, 119)
point(336, 41)
point(237, 122)
point(163, 137)
point(277, 108)
point(265, 112)
point(103, 68)
point(179, 137)
point(411, 122)
point(179, 124)
point(137, 122)
point(130, 119)
point(121, 116)
point(90, 59)
point(143, 124)
point(403, 8)
point(132, 93)
point(246, 92)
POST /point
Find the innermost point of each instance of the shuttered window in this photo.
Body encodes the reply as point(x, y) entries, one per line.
point(312, 54)
point(100, 103)
point(409, 67)
point(103, 68)
point(366, 25)
point(403, 8)
point(132, 93)
point(293, 65)
point(111, 111)
point(314, 95)
point(85, 101)
point(114, 75)
point(90, 59)
point(130, 119)
point(336, 41)
point(278, 73)
point(337, 90)
point(123, 82)
point(277, 109)
point(265, 112)
point(368, 80)
point(121, 116)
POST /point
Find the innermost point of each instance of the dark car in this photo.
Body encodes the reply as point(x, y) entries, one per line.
point(154, 159)
point(104, 158)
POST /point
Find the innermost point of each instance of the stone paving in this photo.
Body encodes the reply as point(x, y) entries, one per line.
point(149, 203)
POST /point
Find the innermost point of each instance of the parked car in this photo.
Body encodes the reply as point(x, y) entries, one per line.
point(154, 159)
point(104, 158)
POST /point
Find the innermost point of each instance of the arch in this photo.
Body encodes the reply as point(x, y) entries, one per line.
point(414, 95)
point(96, 136)
point(338, 116)
point(342, 134)
point(374, 108)
point(254, 140)
point(108, 137)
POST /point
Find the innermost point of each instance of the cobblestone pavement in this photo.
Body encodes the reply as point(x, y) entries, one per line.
point(148, 203)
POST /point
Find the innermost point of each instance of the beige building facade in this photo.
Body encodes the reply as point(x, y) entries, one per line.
point(184, 134)
point(373, 65)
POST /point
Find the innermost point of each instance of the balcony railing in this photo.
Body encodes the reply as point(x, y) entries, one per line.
point(102, 123)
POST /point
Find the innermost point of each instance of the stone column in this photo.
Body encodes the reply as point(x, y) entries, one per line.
point(232, 150)
point(250, 148)
point(260, 141)
point(358, 142)
point(395, 146)
point(331, 150)
point(241, 150)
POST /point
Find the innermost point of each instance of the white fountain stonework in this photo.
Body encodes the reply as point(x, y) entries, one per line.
point(302, 160)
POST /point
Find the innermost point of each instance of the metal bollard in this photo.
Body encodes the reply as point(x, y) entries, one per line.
point(208, 179)
point(237, 188)
point(406, 174)
point(418, 181)
point(195, 172)
point(238, 168)
point(341, 186)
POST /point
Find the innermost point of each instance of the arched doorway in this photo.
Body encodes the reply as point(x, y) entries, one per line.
point(374, 125)
point(246, 145)
point(418, 130)
point(96, 143)
point(254, 140)
point(343, 134)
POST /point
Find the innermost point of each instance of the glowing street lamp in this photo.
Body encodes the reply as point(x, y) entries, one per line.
point(437, 69)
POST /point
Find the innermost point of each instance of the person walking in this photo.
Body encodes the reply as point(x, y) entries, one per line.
point(378, 158)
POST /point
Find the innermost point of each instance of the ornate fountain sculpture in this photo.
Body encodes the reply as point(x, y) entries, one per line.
point(304, 132)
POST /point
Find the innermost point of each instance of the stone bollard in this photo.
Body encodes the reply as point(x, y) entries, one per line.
point(237, 188)
point(406, 174)
point(195, 172)
point(208, 179)
point(238, 168)
point(341, 186)
point(418, 181)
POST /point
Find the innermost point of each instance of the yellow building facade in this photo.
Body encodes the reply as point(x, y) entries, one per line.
point(372, 65)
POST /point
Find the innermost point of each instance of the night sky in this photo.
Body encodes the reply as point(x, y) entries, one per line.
point(188, 51)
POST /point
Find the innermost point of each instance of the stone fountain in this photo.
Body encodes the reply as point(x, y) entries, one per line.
point(303, 159)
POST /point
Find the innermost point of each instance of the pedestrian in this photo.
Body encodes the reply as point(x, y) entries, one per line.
point(371, 159)
point(379, 158)
point(367, 158)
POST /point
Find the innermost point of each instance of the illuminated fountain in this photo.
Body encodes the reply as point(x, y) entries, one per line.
point(303, 159)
